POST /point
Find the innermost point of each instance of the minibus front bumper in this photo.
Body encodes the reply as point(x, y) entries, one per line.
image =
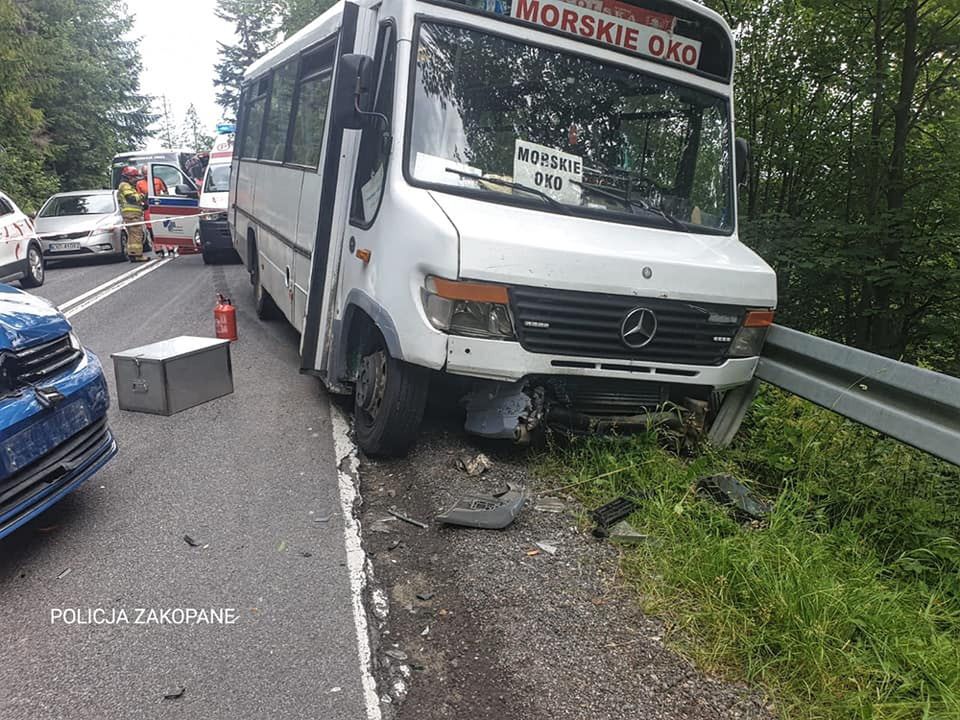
point(508, 362)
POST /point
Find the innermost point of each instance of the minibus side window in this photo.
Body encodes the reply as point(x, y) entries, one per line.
point(278, 117)
point(310, 114)
point(253, 120)
point(375, 143)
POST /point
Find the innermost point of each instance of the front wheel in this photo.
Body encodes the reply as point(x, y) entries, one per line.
point(35, 269)
point(390, 396)
point(122, 254)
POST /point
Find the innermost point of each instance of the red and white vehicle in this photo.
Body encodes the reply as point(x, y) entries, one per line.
point(21, 257)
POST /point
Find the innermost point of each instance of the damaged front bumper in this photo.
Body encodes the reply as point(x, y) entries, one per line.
point(517, 411)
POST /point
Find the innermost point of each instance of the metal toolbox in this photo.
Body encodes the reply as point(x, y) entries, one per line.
point(173, 375)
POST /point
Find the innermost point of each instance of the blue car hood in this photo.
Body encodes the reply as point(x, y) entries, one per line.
point(26, 319)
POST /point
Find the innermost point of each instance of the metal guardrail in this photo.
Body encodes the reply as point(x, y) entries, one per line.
point(916, 406)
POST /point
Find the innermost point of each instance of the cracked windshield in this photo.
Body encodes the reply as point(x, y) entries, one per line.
point(510, 120)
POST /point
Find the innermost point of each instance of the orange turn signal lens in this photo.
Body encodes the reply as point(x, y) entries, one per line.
point(477, 292)
point(758, 318)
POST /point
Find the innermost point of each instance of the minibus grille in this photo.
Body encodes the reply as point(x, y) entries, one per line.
point(565, 322)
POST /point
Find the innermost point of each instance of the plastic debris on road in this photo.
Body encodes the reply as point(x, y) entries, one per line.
point(727, 490)
point(485, 511)
point(606, 516)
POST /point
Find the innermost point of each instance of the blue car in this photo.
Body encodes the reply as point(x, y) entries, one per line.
point(53, 409)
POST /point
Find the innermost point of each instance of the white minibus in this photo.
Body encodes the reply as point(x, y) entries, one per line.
point(530, 203)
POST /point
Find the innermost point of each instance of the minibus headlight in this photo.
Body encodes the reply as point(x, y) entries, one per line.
point(748, 342)
point(465, 308)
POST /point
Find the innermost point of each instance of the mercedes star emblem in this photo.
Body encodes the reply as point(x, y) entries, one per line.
point(638, 327)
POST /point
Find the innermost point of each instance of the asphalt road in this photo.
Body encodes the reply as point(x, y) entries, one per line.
point(250, 477)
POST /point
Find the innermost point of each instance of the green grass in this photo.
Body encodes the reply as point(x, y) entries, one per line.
point(846, 604)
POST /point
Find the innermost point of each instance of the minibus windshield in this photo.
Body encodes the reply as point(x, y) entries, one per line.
point(519, 123)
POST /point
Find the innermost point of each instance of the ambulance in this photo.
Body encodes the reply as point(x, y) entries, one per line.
point(213, 234)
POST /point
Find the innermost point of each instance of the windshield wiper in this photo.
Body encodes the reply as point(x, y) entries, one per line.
point(510, 184)
point(621, 196)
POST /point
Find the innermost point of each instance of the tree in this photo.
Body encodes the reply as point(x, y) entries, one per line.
point(69, 95)
point(854, 191)
point(24, 144)
point(89, 89)
point(255, 30)
point(167, 132)
point(296, 14)
point(192, 132)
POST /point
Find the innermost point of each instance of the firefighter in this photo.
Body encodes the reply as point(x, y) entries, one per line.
point(159, 186)
point(131, 206)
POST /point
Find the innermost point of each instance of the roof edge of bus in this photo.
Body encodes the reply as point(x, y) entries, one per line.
point(319, 28)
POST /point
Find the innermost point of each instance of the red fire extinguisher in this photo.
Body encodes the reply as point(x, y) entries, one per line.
point(225, 319)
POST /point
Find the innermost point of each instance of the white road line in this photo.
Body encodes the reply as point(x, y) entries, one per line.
point(347, 465)
point(92, 297)
point(103, 286)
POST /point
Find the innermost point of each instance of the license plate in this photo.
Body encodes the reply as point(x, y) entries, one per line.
point(59, 247)
point(40, 438)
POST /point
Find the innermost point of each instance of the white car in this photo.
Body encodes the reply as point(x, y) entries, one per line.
point(21, 257)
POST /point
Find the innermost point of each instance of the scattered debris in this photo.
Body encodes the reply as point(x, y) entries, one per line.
point(406, 519)
point(282, 547)
point(624, 533)
point(63, 574)
point(549, 505)
point(399, 690)
point(334, 689)
point(395, 654)
point(304, 553)
point(190, 541)
point(606, 516)
point(532, 553)
point(394, 545)
point(727, 490)
point(473, 466)
point(381, 606)
point(547, 547)
point(425, 632)
point(175, 694)
point(485, 511)
point(425, 596)
point(325, 518)
point(382, 526)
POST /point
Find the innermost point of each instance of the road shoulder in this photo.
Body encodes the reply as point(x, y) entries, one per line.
point(487, 623)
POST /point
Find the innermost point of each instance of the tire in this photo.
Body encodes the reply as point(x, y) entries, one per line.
point(122, 255)
point(35, 268)
point(266, 308)
point(390, 396)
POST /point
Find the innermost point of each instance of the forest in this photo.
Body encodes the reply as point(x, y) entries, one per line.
point(70, 95)
point(852, 110)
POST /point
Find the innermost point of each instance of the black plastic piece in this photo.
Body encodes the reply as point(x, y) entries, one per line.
point(610, 514)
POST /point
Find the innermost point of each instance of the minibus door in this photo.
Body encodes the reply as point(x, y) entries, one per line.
point(174, 206)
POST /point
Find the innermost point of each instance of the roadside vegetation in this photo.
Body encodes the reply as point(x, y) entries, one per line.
point(845, 603)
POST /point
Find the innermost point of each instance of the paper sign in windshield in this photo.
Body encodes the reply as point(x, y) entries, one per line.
point(621, 32)
point(555, 173)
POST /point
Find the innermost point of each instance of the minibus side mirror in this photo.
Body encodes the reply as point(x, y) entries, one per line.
point(742, 160)
point(355, 79)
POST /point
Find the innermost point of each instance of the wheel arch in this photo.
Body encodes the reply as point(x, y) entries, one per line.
point(362, 315)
